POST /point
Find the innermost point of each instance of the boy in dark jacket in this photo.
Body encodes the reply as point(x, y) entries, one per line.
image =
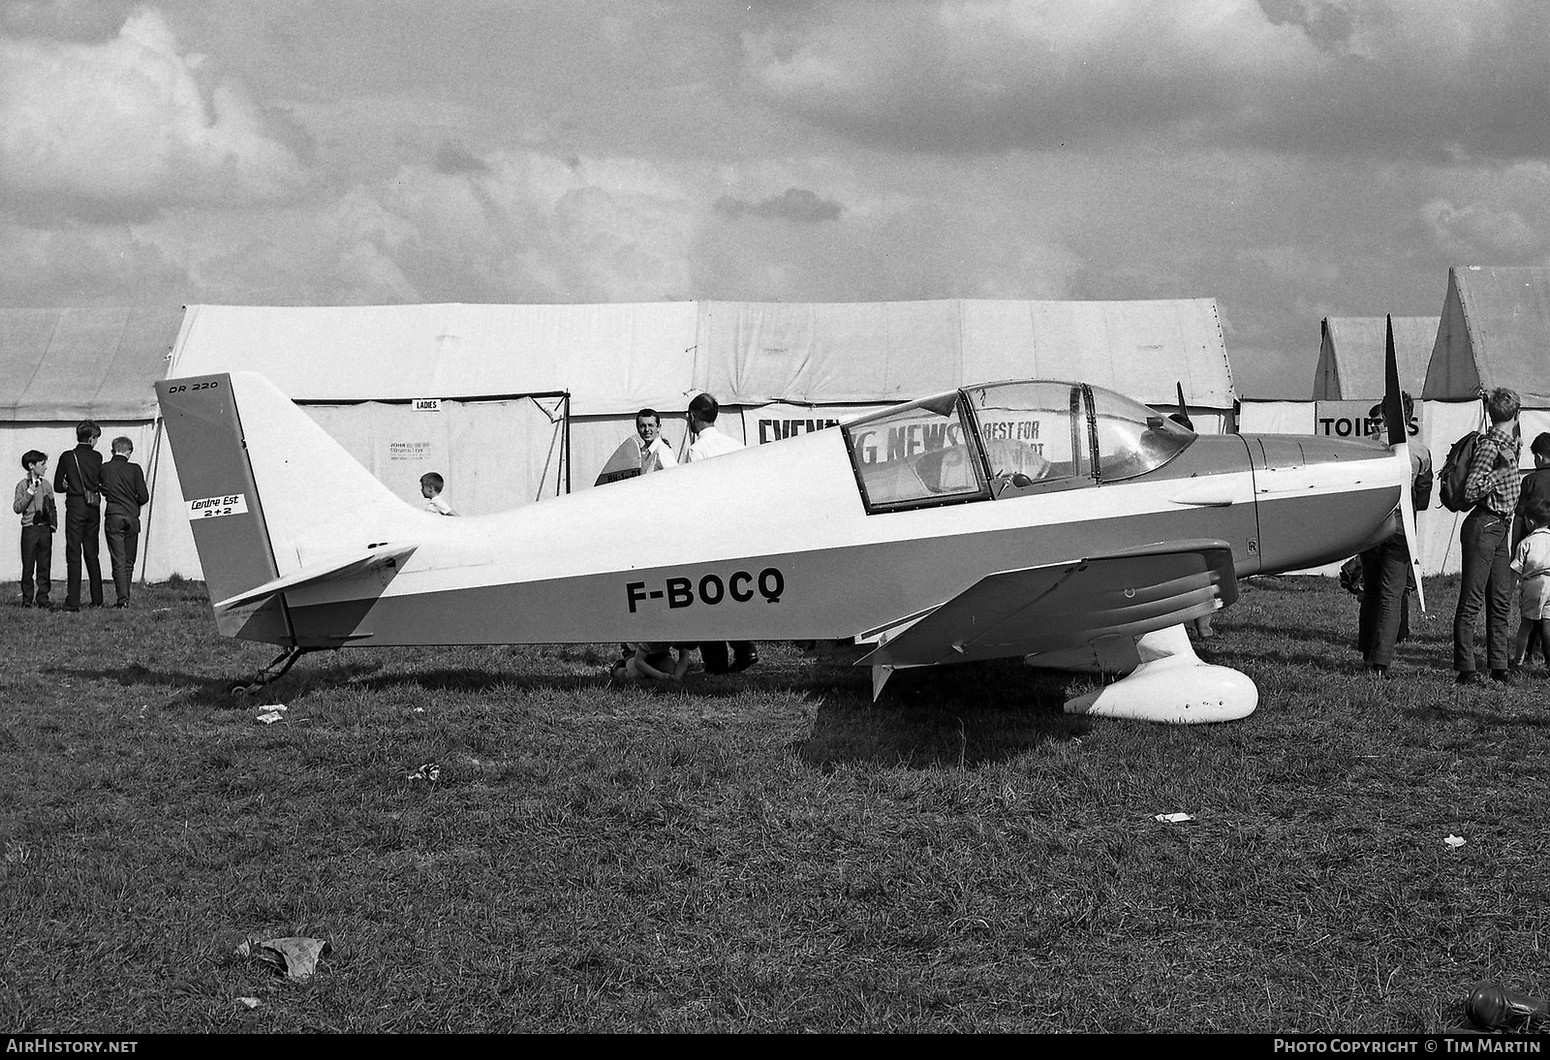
point(123, 488)
point(78, 477)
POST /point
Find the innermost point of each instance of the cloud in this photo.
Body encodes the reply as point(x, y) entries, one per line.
point(1415, 77)
point(1288, 263)
point(86, 266)
point(120, 128)
point(1477, 232)
point(794, 204)
point(509, 226)
point(451, 159)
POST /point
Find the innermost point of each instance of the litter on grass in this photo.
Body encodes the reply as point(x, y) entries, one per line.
point(270, 714)
point(1454, 841)
point(1173, 818)
point(296, 957)
point(250, 1002)
point(429, 771)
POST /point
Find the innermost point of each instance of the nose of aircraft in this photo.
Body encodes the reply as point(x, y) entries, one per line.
point(1319, 500)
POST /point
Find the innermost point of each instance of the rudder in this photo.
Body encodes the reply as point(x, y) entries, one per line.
point(266, 490)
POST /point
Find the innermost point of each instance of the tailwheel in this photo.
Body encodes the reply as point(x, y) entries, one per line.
point(285, 660)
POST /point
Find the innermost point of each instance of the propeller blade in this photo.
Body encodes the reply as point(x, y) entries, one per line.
point(1394, 415)
point(1393, 404)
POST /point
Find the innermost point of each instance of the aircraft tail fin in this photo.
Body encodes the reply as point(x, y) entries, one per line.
point(268, 493)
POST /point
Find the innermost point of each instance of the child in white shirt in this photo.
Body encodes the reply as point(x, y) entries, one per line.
point(431, 485)
point(1531, 560)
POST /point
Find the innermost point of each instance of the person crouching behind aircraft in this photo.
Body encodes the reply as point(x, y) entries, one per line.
point(709, 442)
point(651, 662)
point(1384, 619)
point(431, 485)
point(123, 492)
point(35, 504)
point(1485, 583)
point(655, 453)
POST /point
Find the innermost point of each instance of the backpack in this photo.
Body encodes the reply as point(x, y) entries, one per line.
point(1455, 469)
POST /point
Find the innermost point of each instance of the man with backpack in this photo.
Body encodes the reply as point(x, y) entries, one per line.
point(1491, 491)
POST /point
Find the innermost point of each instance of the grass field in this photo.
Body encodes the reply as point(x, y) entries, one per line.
point(762, 852)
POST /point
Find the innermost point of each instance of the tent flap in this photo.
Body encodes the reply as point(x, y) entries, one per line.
point(1495, 332)
point(1351, 356)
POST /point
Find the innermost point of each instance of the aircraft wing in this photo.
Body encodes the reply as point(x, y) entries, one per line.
point(1065, 605)
point(378, 558)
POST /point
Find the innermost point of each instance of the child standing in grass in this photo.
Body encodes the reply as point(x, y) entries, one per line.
point(1531, 560)
point(35, 504)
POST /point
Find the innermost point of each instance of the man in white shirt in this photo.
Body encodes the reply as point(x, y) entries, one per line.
point(709, 442)
point(708, 439)
point(655, 453)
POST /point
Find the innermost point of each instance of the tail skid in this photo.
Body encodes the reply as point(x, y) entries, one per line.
point(274, 500)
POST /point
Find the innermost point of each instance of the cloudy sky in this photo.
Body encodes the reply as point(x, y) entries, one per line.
point(1293, 159)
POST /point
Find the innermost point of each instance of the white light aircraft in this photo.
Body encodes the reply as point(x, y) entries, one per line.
point(1052, 520)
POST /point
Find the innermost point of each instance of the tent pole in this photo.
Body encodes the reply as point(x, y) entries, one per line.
point(150, 504)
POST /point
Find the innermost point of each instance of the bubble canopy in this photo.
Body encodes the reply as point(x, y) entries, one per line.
point(1004, 440)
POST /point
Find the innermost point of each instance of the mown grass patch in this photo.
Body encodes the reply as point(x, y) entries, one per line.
point(767, 851)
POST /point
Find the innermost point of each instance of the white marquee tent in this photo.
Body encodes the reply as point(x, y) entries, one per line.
point(512, 403)
point(1494, 331)
point(1348, 381)
point(1350, 369)
point(60, 366)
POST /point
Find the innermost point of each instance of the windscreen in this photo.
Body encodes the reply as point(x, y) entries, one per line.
point(1033, 432)
point(1133, 439)
point(917, 454)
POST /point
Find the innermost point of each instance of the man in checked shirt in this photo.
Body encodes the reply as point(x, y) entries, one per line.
point(1486, 539)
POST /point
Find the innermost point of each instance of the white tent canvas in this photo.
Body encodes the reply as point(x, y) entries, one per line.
point(1348, 381)
point(1351, 356)
point(452, 387)
point(60, 366)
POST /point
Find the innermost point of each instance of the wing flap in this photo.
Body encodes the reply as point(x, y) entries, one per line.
point(374, 558)
point(1065, 605)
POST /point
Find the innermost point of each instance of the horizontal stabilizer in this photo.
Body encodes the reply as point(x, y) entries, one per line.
point(1065, 605)
point(375, 558)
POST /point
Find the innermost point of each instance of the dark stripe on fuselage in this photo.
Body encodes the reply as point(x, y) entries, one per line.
point(825, 593)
